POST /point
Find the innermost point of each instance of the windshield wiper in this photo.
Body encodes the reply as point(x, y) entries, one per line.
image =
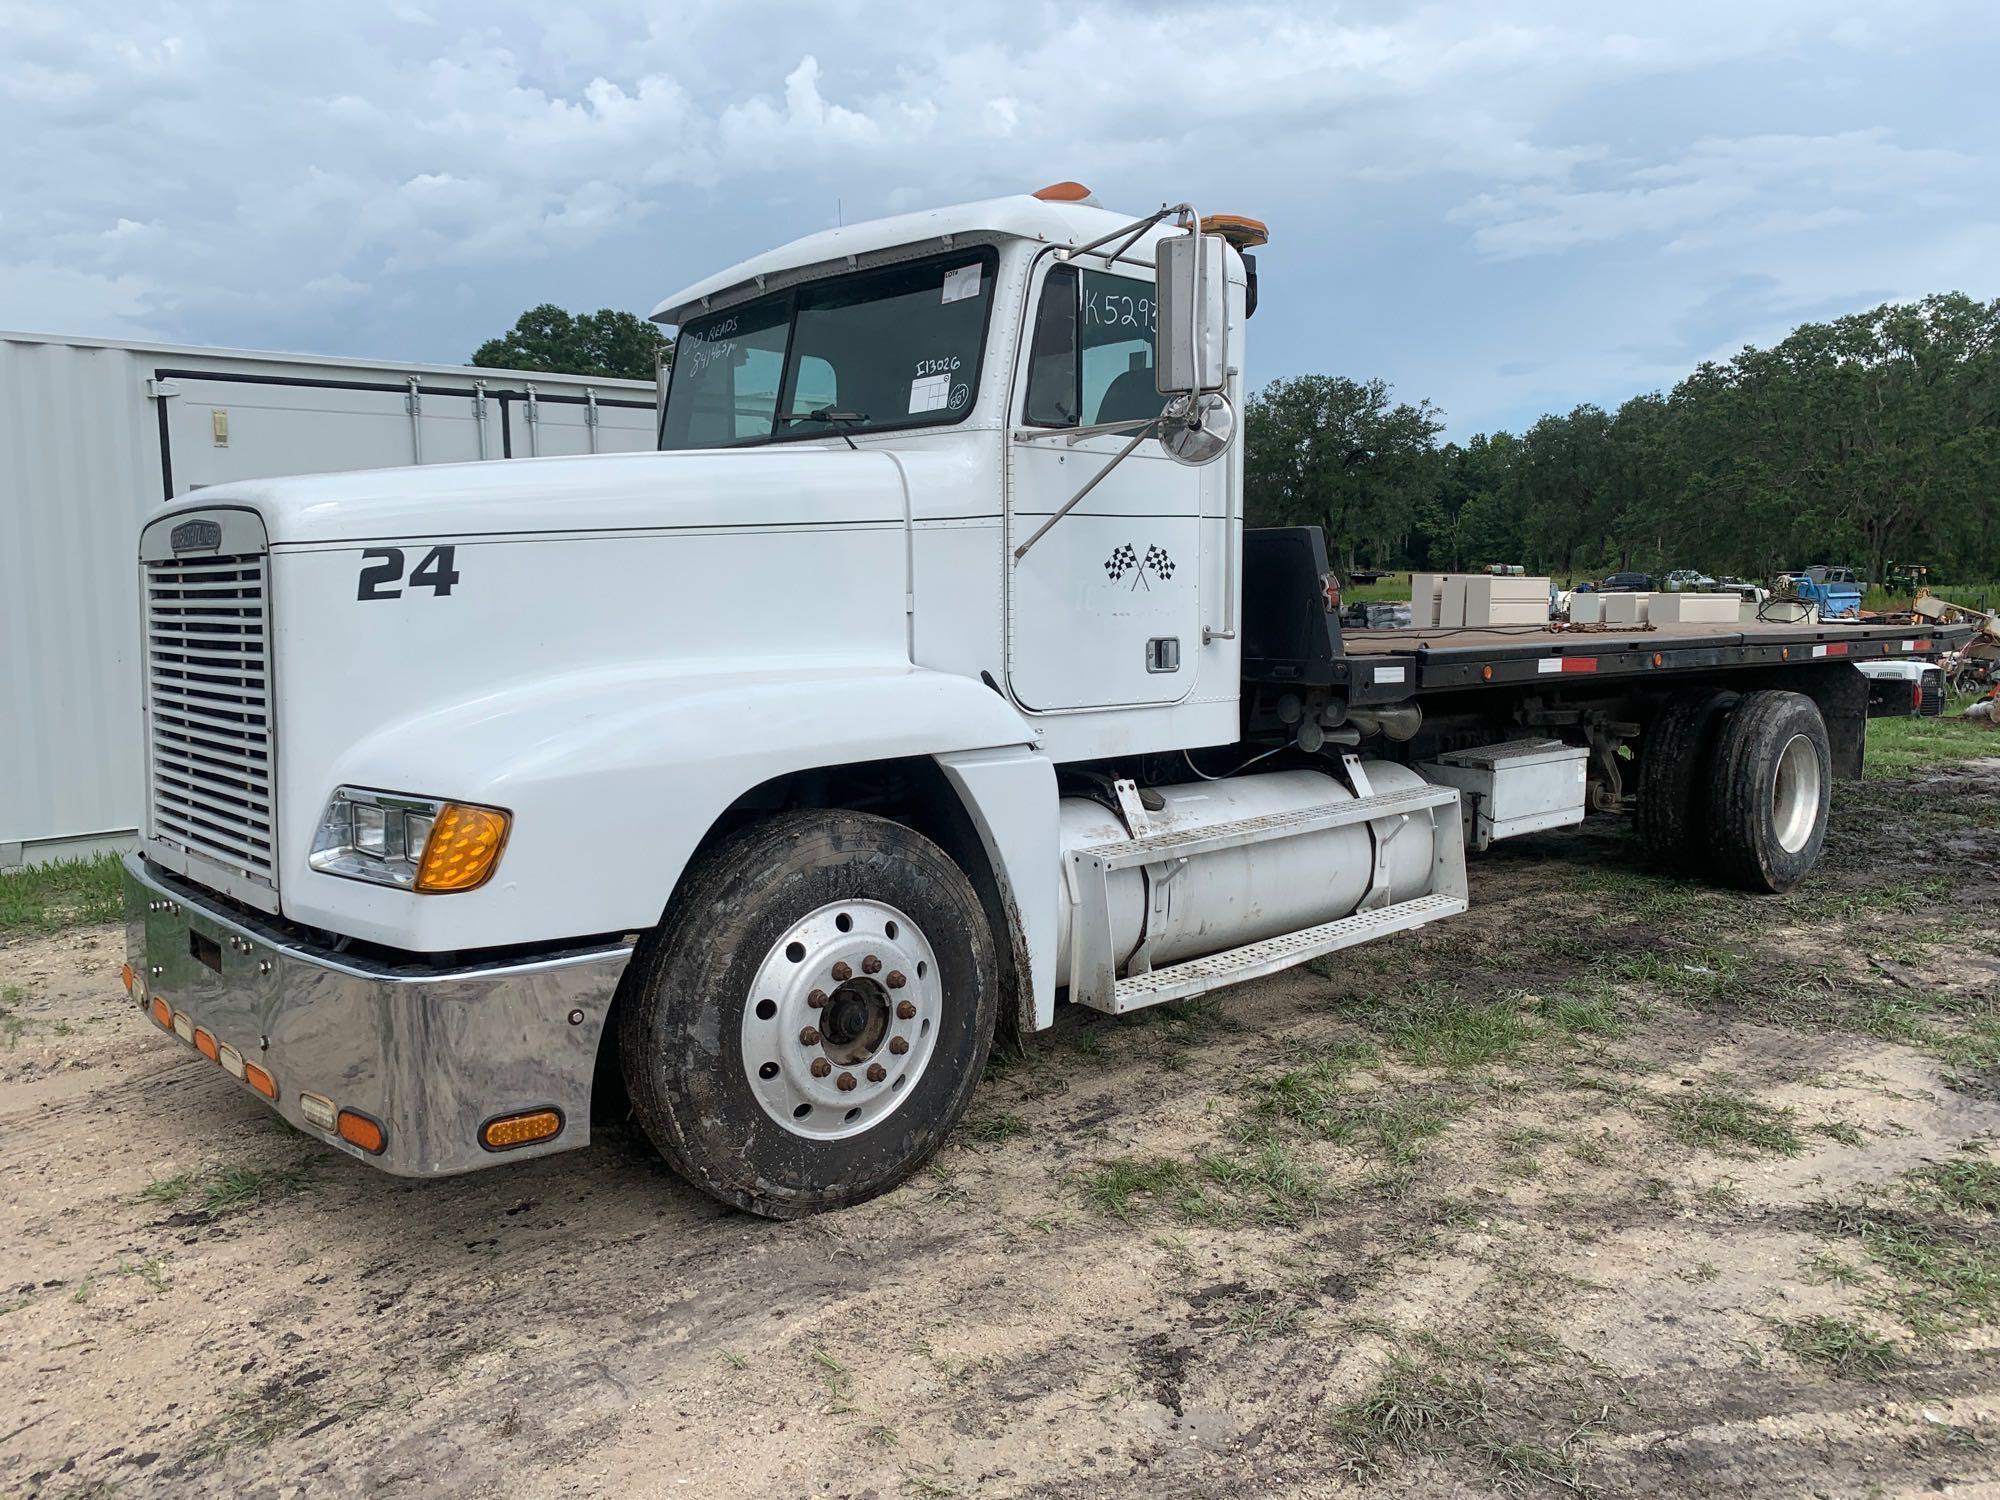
point(831, 417)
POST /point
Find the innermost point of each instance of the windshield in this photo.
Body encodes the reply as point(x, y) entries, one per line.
point(898, 347)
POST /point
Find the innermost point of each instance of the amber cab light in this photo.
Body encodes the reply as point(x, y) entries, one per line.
point(162, 1013)
point(1063, 192)
point(261, 1081)
point(204, 1043)
point(129, 977)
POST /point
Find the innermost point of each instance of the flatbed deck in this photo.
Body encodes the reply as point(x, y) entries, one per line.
point(1474, 656)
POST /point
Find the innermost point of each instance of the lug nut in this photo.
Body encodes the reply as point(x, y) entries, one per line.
point(842, 973)
point(906, 1010)
point(871, 965)
point(809, 1037)
point(821, 1067)
point(876, 1072)
point(845, 1083)
point(896, 980)
point(816, 999)
point(899, 1045)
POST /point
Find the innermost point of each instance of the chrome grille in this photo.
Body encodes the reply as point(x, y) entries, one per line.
point(208, 708)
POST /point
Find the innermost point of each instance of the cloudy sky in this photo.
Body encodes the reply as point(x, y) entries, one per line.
point(1507, 208)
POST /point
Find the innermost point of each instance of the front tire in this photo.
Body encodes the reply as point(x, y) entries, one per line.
point(1772, 786)
point(808, 1024)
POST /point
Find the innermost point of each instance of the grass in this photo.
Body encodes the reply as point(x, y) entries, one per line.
point(1898, 747)
point(1944, 1272)
point(1432, 1406)
point(1732, 1124)
point(69, 893)
point(1438, 1027)
point(1967, 1184)
point(1846, 1348)
point(217, 1191)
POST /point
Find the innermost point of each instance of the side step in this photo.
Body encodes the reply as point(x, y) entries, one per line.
point(1093, 977)
point(1254, 960)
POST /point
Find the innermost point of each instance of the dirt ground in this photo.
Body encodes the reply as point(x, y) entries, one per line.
point(1618, 1185)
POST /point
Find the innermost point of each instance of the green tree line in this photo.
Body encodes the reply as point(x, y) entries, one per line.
point(1872, 438)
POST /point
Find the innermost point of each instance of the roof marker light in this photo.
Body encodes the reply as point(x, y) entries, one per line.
point(1063, 192)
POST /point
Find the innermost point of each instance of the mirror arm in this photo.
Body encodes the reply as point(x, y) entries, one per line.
point(1089, 485)
point(1071, 436)
point(1131, 232)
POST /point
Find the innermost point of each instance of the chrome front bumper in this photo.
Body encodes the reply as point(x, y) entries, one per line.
point(430, 1053)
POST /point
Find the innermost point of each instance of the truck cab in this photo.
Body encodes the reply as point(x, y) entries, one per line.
point(924, 675)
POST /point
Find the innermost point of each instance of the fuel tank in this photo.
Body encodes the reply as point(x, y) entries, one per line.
point(1228, 897)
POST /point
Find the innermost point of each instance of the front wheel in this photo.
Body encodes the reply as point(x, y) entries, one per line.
point(809, 1023)
point(1772, 786)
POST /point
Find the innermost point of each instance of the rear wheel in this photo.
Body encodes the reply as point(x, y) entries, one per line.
point(809, 1023)
point(1676, 767)
point(1769, 796)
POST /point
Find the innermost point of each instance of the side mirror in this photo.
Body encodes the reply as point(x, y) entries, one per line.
point(1192, 352)
point(1196, 430)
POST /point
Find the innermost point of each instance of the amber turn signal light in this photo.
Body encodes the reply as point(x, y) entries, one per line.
point(261, 1081)
point(463, 847)
point(205, 1045)
point(509, 1131)
point(162, 1013)
point(358, 1130)
point(129, 977)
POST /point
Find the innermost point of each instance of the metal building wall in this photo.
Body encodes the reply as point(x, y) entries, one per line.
point(81, 469)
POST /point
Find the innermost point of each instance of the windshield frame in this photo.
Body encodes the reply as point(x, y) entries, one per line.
point(986, 256)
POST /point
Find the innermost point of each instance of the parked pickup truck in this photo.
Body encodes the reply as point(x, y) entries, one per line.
point(924, 678)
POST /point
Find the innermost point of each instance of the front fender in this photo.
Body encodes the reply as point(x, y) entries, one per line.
point(613, 776)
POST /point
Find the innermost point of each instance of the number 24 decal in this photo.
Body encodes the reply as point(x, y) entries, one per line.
point(382, 573)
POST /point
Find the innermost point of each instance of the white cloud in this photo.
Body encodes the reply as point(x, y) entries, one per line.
point(401, 180)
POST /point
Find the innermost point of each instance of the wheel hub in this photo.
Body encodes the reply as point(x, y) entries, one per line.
point(842, 1019)
point(1795, 789)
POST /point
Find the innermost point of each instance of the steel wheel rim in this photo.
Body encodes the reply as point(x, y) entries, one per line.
point(840, 992)
point(1795, 787)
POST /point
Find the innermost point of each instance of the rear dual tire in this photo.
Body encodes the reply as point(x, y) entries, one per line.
point(1737, 788)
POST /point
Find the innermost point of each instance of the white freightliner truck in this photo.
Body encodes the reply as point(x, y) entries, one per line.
point(924, 676)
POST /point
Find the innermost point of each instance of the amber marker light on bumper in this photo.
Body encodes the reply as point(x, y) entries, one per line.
point(358, 1130)
point(510, 1131)
point(261, 1081)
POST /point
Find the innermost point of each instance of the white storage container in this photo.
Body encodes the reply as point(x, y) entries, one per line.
point(1586, 609)
point(1515, 787)
point(1451, 601)
point(1626, 609)
point(1424, 591)
point(97, 435)
point(1493, 600)
point(1693, 609)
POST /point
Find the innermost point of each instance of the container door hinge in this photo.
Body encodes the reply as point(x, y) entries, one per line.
point(160, 390)
point(413, 403)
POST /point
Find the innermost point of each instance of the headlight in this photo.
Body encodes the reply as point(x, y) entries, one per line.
point(417, 843)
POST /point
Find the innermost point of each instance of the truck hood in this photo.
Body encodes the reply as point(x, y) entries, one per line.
point(792, 485)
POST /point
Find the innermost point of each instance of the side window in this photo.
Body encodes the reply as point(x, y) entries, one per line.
point(724, 384)
point(1052, 364)
point(1119, 324)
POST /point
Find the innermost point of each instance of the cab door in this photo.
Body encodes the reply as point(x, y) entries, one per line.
point(1105, 609)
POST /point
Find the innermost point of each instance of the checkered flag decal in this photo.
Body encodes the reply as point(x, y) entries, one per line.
point(1161, 564)
point(1121, 562)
